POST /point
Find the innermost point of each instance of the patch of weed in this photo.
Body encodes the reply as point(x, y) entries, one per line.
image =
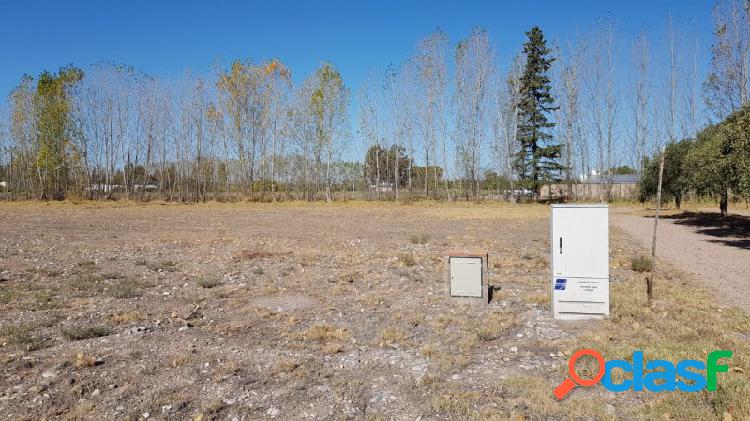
point(78, 333)
point(406, 259)
point(641, 264)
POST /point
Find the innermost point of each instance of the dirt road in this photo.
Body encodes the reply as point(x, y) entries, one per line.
point(716, 250)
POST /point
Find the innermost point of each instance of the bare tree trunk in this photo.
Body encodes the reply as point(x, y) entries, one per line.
point(650, 279)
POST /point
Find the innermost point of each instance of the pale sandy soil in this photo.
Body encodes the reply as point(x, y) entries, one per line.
point(718, 254)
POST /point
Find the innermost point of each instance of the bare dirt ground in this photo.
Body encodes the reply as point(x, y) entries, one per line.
point(314, 311)
point(715, 249)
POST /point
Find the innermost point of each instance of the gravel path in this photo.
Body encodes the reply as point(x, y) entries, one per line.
point(718, 254)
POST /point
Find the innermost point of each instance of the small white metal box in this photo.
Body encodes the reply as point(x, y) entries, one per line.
point(580, 261)
point(466, 276)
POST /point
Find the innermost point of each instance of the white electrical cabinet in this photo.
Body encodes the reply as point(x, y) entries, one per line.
point(580, 261)
point(466, 276)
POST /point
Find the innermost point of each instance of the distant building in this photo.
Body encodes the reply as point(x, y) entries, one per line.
point(382, 187)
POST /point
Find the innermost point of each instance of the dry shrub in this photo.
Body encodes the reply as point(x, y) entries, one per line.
point(406, 259)
point(83, 361)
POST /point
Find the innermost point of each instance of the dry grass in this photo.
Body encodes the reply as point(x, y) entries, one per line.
point(496, 325)
point(419, 238)
point(461, 404)
point(162, 266)
point(87, 285)
point(250, 255)
point(393, 337)
point(87, 264)
point(24, 335)
point(535, 393)
point(447, 362)
point(683, 324)
point(126, 317)
point(406, 259)
point(332, 348)
point(325, 333)
point(208, 283)
point(78, 333)
point(125, 288)
point(82, 361)
point(368, 326)
point(284, 367)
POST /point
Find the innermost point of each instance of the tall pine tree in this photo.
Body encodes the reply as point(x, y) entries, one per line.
point(538, 156)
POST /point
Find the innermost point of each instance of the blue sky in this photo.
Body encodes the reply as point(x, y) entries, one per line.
point(166, 38)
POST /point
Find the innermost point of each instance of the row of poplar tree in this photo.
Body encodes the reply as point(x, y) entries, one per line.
point(444, 123)
point(116, 131)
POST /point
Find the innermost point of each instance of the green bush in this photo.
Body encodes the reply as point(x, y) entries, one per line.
point(641, 264)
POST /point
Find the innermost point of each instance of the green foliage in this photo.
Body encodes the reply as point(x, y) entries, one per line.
point(55, 147)
point(380, 165)
point(623, 170)
point(676, 177)
point(716, 162)
point(720, 160)
point(538, 158)
point(330, 85)
point(422, 175)
point(493, 181)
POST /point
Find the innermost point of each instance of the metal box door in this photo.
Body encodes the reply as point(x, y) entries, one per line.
point(580, 241)
point(466, 276)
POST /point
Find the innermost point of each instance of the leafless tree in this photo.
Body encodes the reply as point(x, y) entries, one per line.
point(505, 126)
point(569, 116)
point(726, 86)
point(603, 99)
point(475, 67)
point(642, 89)
point(431, 68)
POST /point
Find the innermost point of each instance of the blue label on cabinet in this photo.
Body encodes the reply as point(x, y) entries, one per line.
point(560, 284)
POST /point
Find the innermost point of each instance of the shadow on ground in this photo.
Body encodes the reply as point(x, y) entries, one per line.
point(731, 230)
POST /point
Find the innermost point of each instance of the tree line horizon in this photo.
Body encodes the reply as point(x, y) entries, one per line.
point(447, 123)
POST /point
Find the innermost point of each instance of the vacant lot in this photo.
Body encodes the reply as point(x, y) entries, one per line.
point(323, 311)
